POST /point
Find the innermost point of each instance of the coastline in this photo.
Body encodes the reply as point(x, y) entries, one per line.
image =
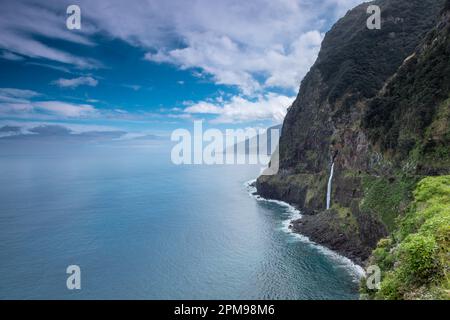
point(356, 270)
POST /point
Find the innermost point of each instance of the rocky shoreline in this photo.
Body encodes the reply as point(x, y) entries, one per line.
point(352, 235)
point(318, 229)
point(326, 228)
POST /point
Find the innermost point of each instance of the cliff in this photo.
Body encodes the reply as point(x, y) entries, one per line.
point(376, 104)
point(411, 119)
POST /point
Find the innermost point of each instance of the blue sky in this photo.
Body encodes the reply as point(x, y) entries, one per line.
point(153, 66)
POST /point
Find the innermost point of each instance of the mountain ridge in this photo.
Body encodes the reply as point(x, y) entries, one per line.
point(357, 76)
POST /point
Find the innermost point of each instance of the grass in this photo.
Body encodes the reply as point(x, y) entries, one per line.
point(415, 260)
point(387, 197)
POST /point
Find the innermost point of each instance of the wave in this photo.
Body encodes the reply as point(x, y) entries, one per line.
point(294, 214)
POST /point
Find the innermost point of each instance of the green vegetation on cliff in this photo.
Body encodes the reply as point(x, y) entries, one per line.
point(409, 123)
point(410, 120)
point(356, 66)
point(386, 197)
point(415, 259)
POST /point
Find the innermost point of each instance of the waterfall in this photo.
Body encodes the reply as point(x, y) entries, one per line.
point(329, 187)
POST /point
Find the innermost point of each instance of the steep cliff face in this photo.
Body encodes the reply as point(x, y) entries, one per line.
point(375, 105)
point(415, 259)
point(408, 122)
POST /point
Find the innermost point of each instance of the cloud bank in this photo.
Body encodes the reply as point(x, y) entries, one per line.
point(261, 47)
point(239, 109)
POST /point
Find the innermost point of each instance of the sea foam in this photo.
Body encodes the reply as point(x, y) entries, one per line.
point(356, 271)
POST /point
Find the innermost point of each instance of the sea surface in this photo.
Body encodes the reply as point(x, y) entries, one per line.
point(140, 227)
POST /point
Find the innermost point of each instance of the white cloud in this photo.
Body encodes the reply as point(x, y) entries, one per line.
point(13, 93)
point(15, 108)
point(239, 109)
point(287, 70)
point(27, 126)
point(76, 82)
point(65, 109)
point(11, 56)
point(22, 21)
point(204, 107)
point(258, 45)
point(46, 109)
point(20, 103)
point(250, 44)
point(134, 87)
point(253, 45)
point(29, 47)
point(230, 64)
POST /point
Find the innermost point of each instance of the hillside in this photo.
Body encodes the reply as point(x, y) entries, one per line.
point(376, 104)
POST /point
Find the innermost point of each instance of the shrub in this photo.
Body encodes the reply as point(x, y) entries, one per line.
point(419, 259)
point(416, 258)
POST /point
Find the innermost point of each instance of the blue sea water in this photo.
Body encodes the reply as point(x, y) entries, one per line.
point(140, 227)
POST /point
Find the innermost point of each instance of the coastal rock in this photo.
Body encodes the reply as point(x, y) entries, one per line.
point(353, 238)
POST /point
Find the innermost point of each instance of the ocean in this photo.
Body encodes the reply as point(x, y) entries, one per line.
point(140, 227)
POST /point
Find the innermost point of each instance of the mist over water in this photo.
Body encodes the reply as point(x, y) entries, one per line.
point(140, 227)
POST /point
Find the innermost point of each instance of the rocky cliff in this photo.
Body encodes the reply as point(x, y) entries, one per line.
point(376, 105)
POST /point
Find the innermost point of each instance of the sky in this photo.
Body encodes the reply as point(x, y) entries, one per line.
point(145, 67)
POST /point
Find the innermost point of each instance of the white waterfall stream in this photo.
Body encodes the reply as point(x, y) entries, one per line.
point(330, 180)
